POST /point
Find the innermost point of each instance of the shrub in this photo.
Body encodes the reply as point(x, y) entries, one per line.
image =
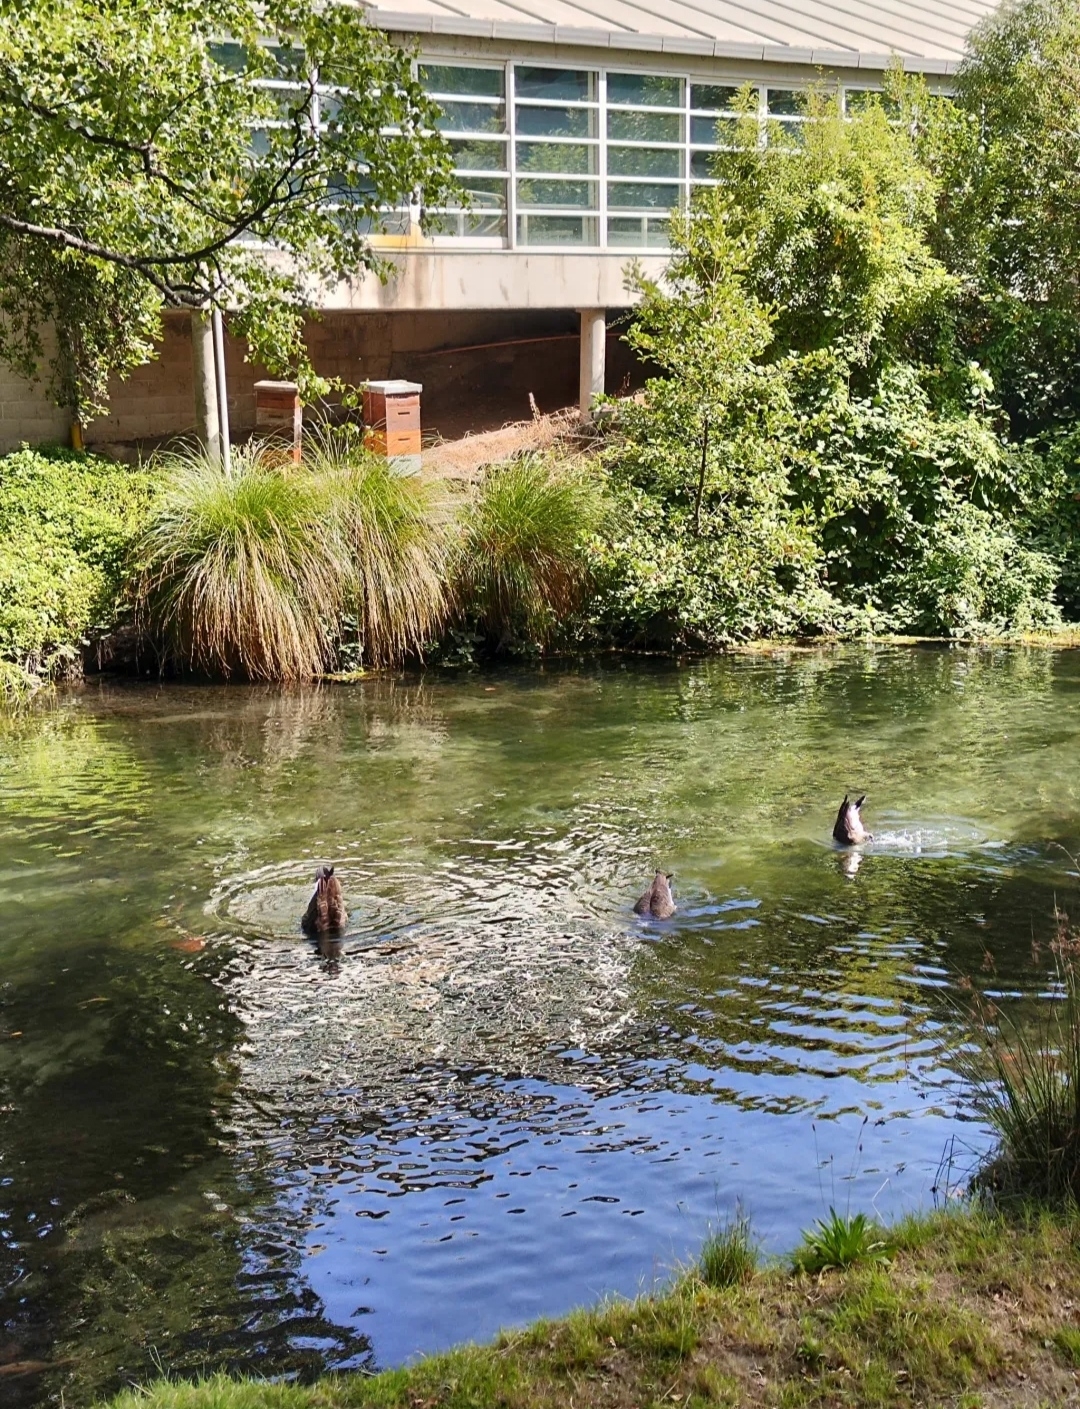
point(67, 524)
point(729, 1258)
point(241, 574)
point(839, 1241)
point(524, 559)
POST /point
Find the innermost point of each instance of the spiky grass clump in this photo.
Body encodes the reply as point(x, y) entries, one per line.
point(395, 545)
point(840, 1241)
point(241, 574)
point(1029, 1088)
point(729, 1258)
point(523, 564)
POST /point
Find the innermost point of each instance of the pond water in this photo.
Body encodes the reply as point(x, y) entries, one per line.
point(504, 1095)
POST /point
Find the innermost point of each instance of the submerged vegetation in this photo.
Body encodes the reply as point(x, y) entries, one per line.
point(971, 1304)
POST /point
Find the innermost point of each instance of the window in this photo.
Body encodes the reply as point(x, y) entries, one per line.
point(565, 156)
point(473, 119)
point(556, 155)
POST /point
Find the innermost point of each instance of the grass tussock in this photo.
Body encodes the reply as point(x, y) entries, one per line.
point(261, 573)
point(973, 1309)
point(838, 1241)
point(1027, 1075)
point(240, 574)
point(729, 1257)
point(523, 562)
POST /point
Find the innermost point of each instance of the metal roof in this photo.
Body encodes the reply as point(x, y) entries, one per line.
point(928, 35)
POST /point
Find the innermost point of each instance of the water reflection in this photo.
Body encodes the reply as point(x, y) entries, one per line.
point(225, 1144)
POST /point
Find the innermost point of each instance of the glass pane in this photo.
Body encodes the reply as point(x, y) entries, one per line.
point(556, 122)
point(657, 235)
point(701, 164)
point(647, 90)
point(582, 194)
point(472, 117)
point(574, 158)
point(714, 96)
point(479, 156)
point(786, 101)
point(485, 193)
point(386, 222)
point(557, 230)
point(713, 131)
point(644, 161)
point(625, 231)
point(470, 82)
point(560, 84)
point(637, 195)
point(487, 223)
point(644, 127)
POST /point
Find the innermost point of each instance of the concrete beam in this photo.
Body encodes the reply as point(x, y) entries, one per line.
point(433, 279)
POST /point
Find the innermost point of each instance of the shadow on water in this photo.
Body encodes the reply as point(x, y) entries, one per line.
point(223, 1144)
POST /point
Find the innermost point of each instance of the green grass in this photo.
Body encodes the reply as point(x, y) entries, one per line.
point(523, 564)
point(1027, 1076)
point(972, 1303)
point(728, 1258)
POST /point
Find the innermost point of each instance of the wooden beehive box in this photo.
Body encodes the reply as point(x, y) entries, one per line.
point(278, 414)
point(392, 423)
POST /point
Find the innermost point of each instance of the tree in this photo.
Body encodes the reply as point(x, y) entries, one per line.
point(193, 154)
point(1009, 163)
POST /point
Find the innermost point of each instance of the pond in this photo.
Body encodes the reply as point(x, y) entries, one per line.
point(506, 1095)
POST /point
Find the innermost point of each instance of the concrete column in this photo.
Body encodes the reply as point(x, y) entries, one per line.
point(207, 424)
point(591, 373)
point(222, 391)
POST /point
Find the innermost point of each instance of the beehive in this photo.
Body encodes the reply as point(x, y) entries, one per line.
point(278, 414)
point(392, 423)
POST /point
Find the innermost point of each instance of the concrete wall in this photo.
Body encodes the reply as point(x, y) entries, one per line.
point(27, 414)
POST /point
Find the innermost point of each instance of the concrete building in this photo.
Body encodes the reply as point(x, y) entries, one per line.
point(576, 126)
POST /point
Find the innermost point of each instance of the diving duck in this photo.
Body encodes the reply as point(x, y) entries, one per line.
point(657, 900)
point(326, 913)
point(848, 828)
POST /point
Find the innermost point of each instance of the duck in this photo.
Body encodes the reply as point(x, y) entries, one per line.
point(848, 829)
point(326, 913)
point(657, 901)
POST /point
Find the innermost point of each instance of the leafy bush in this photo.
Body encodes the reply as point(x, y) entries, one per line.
point(67, 523)
point(840, 1241)
point(524, 555)
point(818, 454)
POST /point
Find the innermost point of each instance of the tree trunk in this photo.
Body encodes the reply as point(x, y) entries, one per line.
point(207, 423)
point(701, 478)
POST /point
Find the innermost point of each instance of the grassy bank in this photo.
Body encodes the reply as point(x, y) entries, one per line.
point(971, 1308)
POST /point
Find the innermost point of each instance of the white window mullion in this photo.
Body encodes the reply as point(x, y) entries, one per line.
point(511, 159)
point(601, 160)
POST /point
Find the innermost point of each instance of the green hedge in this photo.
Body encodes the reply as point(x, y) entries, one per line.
point(67, 523)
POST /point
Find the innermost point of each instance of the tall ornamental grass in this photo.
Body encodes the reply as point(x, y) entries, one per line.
point(395, 544)
point(258, 574)
point(523, 564)
point(1028, 1083)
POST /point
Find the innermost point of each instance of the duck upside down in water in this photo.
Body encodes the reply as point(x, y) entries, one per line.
point(848, 828)
point(657, 900)
point(326, 913)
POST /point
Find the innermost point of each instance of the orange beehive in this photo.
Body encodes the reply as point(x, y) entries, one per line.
point(278, 414)
point(392, 423)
